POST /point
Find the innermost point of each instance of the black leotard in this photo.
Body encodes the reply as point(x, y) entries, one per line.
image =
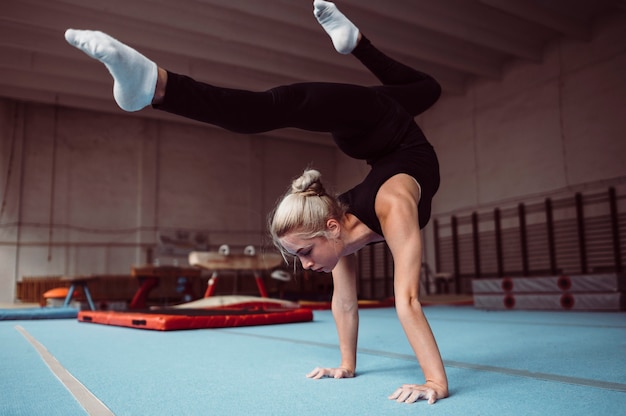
point(371, 123)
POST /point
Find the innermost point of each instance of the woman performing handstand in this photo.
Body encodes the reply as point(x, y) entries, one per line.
point(375, 123)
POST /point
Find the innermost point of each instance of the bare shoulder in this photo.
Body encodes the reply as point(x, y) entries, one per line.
point(396, 204)
point(398, 188)
point(397, 210)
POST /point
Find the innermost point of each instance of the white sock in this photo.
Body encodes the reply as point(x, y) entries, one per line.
point(134, 75)
point(342, 31)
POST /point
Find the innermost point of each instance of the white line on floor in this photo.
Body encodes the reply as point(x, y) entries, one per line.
point(92, 405)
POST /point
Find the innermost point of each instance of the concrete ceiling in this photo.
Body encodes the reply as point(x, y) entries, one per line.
point(258, 44)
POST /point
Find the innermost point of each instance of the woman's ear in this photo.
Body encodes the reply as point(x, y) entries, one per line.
point(333, 227)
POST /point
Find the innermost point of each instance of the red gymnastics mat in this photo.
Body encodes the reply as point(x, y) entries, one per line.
point(177, 319)
point(187, 317)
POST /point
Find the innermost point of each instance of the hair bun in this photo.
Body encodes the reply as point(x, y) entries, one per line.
point(309, 183)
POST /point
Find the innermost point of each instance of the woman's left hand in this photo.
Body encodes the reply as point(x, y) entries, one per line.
point(410, 393)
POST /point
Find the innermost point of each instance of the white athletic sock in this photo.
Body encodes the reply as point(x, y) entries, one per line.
point(342, 31)
point(134, 75)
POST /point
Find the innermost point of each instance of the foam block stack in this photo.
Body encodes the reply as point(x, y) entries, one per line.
point(599, 292)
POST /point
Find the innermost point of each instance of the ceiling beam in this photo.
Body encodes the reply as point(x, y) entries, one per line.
point(536, 13)
point(216, 22)
point(458, 20)
point(27, 30)
point(284, 40)
point(143, 35)
point(406, 39)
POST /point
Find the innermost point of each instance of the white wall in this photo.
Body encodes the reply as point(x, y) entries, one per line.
point(546, 128)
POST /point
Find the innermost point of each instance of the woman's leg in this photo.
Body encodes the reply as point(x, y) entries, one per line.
point(415, 91)
point(139, 82)
point(314, 106)
point(412, 89)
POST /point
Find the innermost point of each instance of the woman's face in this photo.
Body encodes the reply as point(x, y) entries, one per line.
point(320, 254)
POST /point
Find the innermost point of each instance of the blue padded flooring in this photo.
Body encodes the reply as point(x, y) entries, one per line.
point(498, 363)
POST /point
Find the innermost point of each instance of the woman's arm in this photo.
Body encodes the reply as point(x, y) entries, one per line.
point(345, 312)
point(396, 206)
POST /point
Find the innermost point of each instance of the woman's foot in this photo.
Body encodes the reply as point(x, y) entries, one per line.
point(344, 34)
point(134, 75)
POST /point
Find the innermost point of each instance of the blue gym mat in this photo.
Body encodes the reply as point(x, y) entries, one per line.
point(498, 363)
point(38, 313)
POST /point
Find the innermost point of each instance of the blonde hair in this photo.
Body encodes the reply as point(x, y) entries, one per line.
point(305, 209)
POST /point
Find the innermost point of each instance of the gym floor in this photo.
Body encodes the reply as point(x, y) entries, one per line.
point(498, 363)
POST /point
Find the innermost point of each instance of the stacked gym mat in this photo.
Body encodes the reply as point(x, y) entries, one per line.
point(593, 292)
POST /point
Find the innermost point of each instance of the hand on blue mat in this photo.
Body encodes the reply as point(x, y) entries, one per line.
point(340, 372)
point(410, 393)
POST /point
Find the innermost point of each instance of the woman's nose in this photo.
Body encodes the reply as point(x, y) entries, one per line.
point(307, 264)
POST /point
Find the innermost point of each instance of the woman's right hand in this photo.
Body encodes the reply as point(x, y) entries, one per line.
point(410, 393)
point(320, 372)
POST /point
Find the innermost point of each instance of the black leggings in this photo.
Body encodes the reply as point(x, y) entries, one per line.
point(364, 121)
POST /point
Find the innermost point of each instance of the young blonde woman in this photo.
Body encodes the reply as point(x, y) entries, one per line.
point(375, 123)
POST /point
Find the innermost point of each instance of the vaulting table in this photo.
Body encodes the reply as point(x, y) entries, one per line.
point(217, 262)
